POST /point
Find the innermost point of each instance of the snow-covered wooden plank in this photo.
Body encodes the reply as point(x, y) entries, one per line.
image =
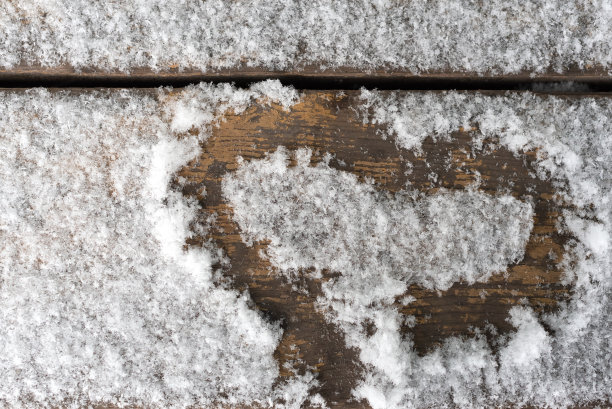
point(326, 122)
point(79, 163)
point(412, 37)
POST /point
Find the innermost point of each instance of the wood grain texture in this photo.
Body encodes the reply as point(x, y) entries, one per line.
point(327, 122)
point(66, 75)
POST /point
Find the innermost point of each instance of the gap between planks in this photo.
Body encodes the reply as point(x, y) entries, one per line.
point(595, 80)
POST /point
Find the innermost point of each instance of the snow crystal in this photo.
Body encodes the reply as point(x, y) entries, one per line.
point(529, 342)
point(417, 36)
point(316, 218)
point(100, 300)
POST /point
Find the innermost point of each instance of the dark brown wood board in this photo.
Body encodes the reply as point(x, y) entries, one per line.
point(67, 76)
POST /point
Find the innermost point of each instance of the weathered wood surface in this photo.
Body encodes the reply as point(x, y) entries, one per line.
point(326, 122)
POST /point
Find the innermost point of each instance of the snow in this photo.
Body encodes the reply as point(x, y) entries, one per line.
point(100, 299)
point(593, 235)
point(528, 343)
point(324, 219)
point(415, 36)
point(318, 219)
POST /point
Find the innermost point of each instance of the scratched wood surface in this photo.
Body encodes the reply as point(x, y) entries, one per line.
point(326, 122)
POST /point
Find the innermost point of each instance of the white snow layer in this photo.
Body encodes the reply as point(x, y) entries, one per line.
point(495, 36)
point(318, 218)
point(321, 218)
point(99, 300)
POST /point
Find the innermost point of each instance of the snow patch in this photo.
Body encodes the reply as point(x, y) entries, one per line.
point(321, 218)
point(100, 302)
point(528, 343)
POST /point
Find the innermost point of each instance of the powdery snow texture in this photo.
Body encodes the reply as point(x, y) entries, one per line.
point(99, 300)
point(321, 218)
point(494, 37)
point(316, 217)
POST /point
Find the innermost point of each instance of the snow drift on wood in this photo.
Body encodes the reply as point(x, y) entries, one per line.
point(100, 302)
point(317, 218)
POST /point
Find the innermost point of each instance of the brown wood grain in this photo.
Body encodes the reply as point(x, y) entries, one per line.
point(326, 122)
point(66, 74)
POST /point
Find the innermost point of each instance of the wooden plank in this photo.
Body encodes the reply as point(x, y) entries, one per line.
point(457, 39)
point(326, 122)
